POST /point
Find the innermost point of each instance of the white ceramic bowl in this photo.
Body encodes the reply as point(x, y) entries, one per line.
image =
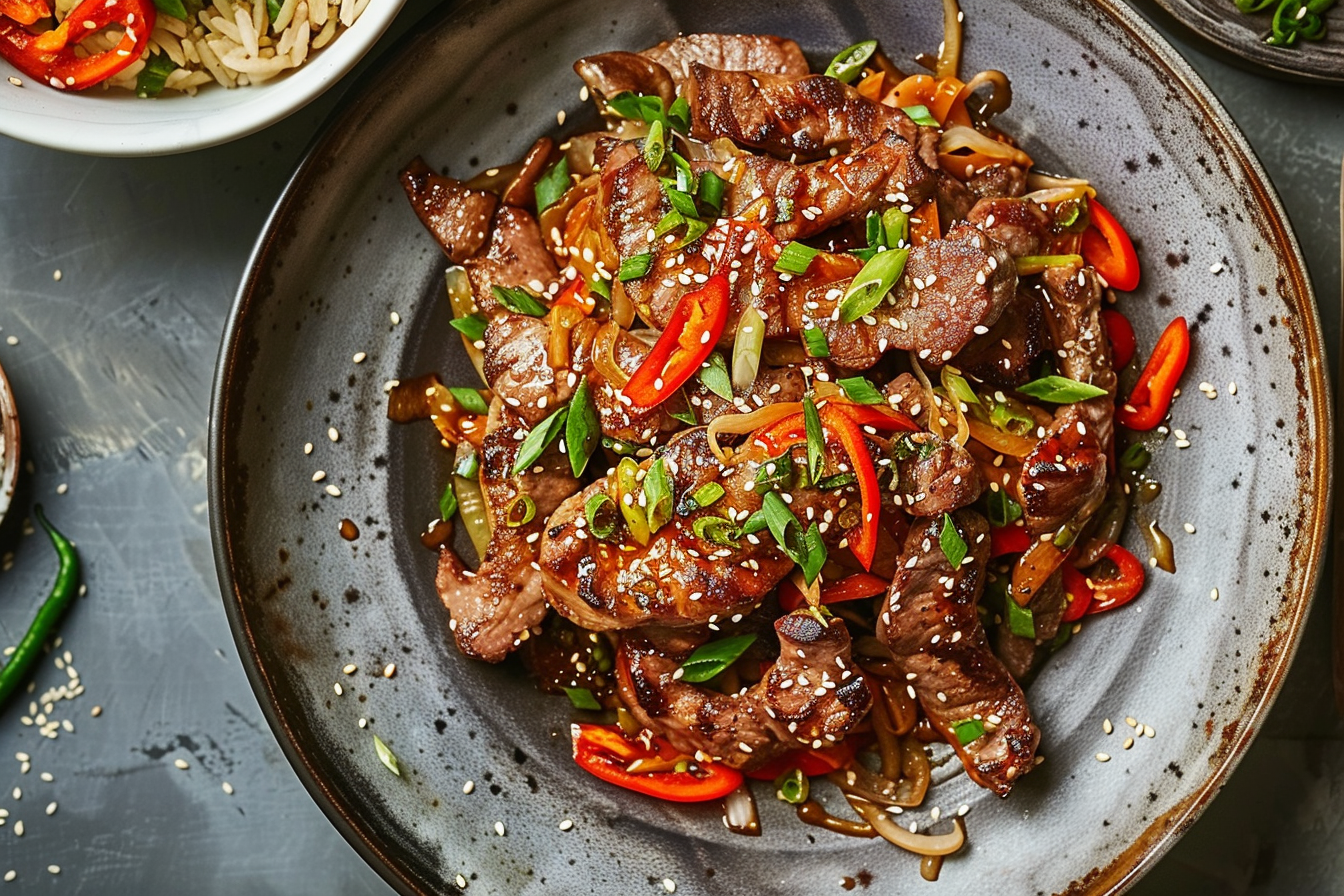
point(118, 123)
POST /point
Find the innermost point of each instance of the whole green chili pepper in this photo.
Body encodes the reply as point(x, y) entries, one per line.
point(62, 593)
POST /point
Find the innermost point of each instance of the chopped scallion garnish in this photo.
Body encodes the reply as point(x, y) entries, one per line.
point(543, 434)
point(859, 390)
point(968, 730)
point(447, 502)
point(654, 146)
point(600, 512)
point(950, 540)
point(156, 71)
point(816, 440)
point(795, 258)
point(582, 698)
point(1060, 390)
point(472, 326)
point(815, 341)
point(519, 301)
point(469, 399)
point(582, 428)
point(921, 116)
point(714, 375)
point(711, 191)
point(716, 530)
point(1021, 622)
point(658, 495)
point(747, 346)
point(552, 185)
point(635, 266)
point(521, 511)
point(707, 494)
point(849, 62)
point(386, 756)
point(1003, 510)
point(872, 284)
point(710, 659)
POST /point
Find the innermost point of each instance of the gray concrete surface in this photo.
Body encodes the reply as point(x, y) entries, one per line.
point(112, 371)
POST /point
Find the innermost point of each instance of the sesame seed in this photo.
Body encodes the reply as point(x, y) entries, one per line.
point(22, 757)
point(333, 491)
point(338, 689)
point(11, 874)
point(1148, 731)
point(363, 723)
point(12, 340)
point(1190, 528)
point(1213, 595)
point(460, 880)
point(359, 357)
point(499, 828)
point(56, 274)
point(350, 669)
point(18, 793)
point(395, 318)
point(1129, 742)
point(47, 777)
point(1107, 726)
point(54, 869)
point(62, 488)
point(17, 82)
point(1232, 388)
point(319, 475)
point(96, 711)
point(307, 447)
point(51, 808)
point(18, 828)
point(566, 825)
point(669, 885)
point(333, 434)
point(1103, 757)
point(227, 788)
point(1129, 720)
point(389, 670)
point(469, 787)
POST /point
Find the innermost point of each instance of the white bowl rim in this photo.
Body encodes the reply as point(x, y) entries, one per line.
point(181, 123)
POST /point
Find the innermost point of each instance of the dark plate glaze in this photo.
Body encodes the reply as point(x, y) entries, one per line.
point(1098, 94)
point(1220, 22)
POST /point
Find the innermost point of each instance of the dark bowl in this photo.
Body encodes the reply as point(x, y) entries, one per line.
point(1098, 94)
point(1243, 35)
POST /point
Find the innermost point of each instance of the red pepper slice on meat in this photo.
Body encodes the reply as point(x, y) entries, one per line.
point(852, 587)
point(1151, 399)
point(603, 751)
point(1121, 336)
point(810, 762)
point(51, 58)
point(863, 538)
point(879, 418)
point(1117, 590)
point(1109, 250)
point(1008, 540)
point(25, 12)
point(1078, 594)
point(690, 336)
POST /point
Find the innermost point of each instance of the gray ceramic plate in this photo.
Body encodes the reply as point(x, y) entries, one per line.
point(1098, 94)
point(1244, 35)
point(9, 445)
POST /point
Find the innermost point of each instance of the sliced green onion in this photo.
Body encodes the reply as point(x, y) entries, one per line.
point(637, 106)
point(872, 284)
point(695, 228)
point(968, 730)
point(447, 502)
point(386, 756)
point(156, 71)
point(600, 286)
point(1065, 537)
point(775, 474)
point(635, 266)
point(582, 429)
point(814, 556)
point(679, 115)
point(472, 326)
point(552, 185)
point(816, 440)
point(848, 63)
point(685, 415)
point(839, 480)
point(1021, 622)
point(668, 222)
point(685, 179)
point(1060, 390)
point(962, 390)
point(710, 659)
point(600, 512)
point(683, 203)
point(469, 465)
point(658, 495)
point(582, 698)
point(715, 529)
point(519, 301)
point(814, 339)
point(1003, 510)
point(1034, 264)
point(1002, 416)
point(654, 146)
point(859, 389)
point(747, 346)
point(804, 548)
point(950, 540)
point(521, 511)
point(714, 375)
point(795, 258)
point(619, 446)
point(1136, 458)
point(754, 523)
point(706, 495)
point(1061, 637)
point(921, 115)
point(711, 191)
point(895, 228)
point(873, 225)
point(469, 399)
point(543, 434)
point(273, 8)
point(627, 490)
point(792, 787)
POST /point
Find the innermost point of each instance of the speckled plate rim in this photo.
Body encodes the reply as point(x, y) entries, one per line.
point(1276, 656)
point(10, 445)
point(1278, 60)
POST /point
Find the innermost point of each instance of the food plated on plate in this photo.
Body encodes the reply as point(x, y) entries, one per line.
point(798, 449)
point(149, 46)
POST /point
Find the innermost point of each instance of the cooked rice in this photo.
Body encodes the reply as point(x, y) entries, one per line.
point(232, 43)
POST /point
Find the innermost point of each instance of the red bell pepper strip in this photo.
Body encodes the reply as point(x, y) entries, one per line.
point(577, 295)
point(25, 12)
point(863, 538)
point(1109, 250)
point(602, 750)
point(1008, 540)
point(1118, 590)
point(810, 762)
point(781, 434)
point(1077, 592)
point(879, 418)
point(690, 336)
point(1121, 336)
point(51, 58)
point(851, 587)
point(1151, 399)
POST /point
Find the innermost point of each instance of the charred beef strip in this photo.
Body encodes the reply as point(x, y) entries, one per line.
point(608, 75)
point(790, 117)
point(953, 289)
point(517, 364)
point(934, 476)
point(1003, 356)
point(1022, 656)
point(454, 214)
point(515, 256)
point(729, 52)
point(812, 696)
point(813, 198)
point(678, 578)
point(1022, 227)
point(931, 626)
point(494, 607)
point(1064, 478)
